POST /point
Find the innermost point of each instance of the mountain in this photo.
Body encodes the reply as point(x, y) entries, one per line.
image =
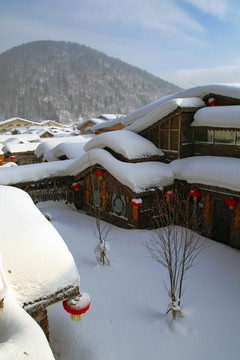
point(68, 82)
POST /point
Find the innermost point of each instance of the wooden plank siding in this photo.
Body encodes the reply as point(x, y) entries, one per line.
point(169, 134)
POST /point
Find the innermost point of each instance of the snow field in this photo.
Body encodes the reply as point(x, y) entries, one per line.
point(128, 300)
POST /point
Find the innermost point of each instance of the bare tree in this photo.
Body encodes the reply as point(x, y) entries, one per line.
point(101, 228)
point(176, 241)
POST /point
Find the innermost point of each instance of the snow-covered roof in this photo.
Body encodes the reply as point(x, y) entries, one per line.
point(161, 111)
point(36, 260)
point(208, 170)
point(48, 148)
point(19, 148)
point(139, 177)
point(230, 90)
point(218, 116)
point(126, 143)
point(20, 335)
point(20, 138)
point(18, 118)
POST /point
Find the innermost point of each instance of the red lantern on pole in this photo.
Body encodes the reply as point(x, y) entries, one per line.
point(212, 101)
point(76, 186)
point(195, 193)
point(168, 194)
point(100, 173)
point(231, 202)
point(77, 306)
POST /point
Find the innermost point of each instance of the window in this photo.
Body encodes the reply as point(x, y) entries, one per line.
point(97, 198)
point(186, 136)
point(203, 136)
point(119, 205)
point(238, 138)
point(224, 137)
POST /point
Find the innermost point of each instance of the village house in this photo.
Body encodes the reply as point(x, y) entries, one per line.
point(188, 141)
point(36, 262)
point(15, 123)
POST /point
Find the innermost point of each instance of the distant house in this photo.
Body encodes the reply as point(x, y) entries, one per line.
point(15, 123)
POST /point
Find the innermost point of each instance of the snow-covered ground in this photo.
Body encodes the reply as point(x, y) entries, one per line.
point(128, 300)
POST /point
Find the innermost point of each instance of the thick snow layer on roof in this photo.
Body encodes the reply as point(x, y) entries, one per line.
point(126, 143)
point(33, 172)
point(208, 170)
point(47, 146)
point(36, 260)
point(20, 335)
point(19, 148)
point(161, 111)
point(71, 149)
point(19, 138)
point(218, 116)
point(231, 90)
point(139, 177)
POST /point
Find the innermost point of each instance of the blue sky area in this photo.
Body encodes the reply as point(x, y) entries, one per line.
point(183, 41)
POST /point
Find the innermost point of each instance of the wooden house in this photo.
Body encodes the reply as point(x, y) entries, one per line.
point(15, 123)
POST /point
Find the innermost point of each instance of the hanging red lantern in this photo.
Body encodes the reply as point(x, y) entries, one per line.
point(136, 202)
point(168, 194)
point(95, 132)
point(195, 193)
point(100, 173)
point(212, 101)
point(6, 156)
point(231, 202)
point(77, 306)
point(76, 186)
point(12, 157)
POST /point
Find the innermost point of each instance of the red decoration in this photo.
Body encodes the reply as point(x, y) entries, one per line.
point(77, 306)
point(76, 186)
point(12, 157)
point(96, 132)
point(6, 156)
point(100, 173)
point(195, 193)
point(136, 202)
point(231, 202)
point(168, 194)
point(212, 101)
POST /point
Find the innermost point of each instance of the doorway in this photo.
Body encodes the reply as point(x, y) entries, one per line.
point(222, 222)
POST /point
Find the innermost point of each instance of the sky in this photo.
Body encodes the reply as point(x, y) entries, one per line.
point(186, 42)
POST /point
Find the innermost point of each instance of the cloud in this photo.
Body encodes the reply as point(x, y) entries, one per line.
point(214, 7)
point(187, 78)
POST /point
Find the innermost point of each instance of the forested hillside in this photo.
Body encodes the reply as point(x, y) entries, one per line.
point(69, 82)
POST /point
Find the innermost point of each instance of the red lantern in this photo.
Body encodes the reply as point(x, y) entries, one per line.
point(195, 193)
point(231, 202)
point(212, 101)
point(76, 186)
point(77, 306)
point(168, 194)
point(136, 202)
point(12, 157)
point(6, 156)
point(95, 132)
point(99, 173)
